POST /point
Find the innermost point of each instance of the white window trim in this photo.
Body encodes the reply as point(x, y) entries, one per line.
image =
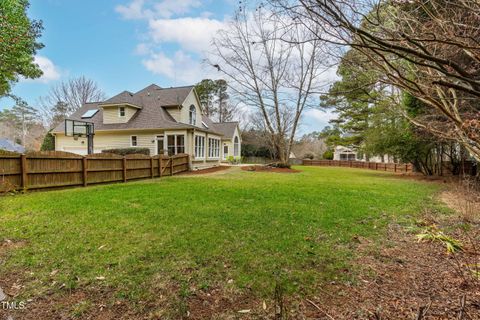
point(175, 142)
point(120, 112)
point(215, 157)
point(203, 147)
point(237, 145)
point(155, 137)
point(192, 115)
point(131, 142)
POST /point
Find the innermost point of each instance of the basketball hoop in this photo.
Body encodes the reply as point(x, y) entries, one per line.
point(78, 128)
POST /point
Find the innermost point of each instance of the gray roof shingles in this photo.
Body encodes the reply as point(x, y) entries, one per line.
point(9, 145)
point(152, 100)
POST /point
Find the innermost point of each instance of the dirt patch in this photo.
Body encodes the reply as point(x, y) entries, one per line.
point(205, 171)
point(269, 169)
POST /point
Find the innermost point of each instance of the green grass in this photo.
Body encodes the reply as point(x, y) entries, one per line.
point(200, 231)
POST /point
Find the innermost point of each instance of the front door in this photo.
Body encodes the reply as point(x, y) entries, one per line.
point(225, 152)
point(160, 145)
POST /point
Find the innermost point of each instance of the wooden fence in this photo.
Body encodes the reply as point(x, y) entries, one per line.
point(47, 169)
point(390, 167)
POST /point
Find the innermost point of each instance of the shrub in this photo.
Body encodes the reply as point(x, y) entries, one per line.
point(48, 143)
point(125, 151)
point(328, 155)
point(308, 155)
point(234, 160)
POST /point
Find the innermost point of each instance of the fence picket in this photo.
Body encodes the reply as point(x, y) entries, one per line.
point(37, 170)
point(361, 164)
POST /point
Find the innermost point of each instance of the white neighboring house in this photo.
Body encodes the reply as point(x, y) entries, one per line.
point(343, 153)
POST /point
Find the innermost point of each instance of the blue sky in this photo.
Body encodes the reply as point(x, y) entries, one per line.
point(128, 44)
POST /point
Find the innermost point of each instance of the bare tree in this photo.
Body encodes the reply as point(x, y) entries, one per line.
point(66, 97)
point(430, 49)
point(270, 69)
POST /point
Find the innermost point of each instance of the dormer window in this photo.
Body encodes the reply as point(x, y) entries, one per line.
point(121, 111)
point(192, 115)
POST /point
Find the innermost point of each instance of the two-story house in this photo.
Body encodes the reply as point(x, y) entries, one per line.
point(164, 120)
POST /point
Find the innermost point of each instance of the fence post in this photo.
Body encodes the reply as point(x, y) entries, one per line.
point(151, 167)
point(406, 168)
point(376, 166)
point(171, 166)
point(394, 167)
point(160, 166)
point(124, 167)
point(23, 160)
point(84, 171)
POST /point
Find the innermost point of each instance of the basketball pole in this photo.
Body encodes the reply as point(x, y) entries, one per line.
point(90, 143)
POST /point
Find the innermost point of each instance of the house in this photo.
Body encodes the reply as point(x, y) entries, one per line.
point(343, 153)
point(164, 120)
point(8, 145)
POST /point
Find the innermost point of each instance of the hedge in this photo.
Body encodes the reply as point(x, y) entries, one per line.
point(125, 151)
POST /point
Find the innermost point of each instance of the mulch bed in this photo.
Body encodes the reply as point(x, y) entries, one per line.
point(257, 168)
point(205, 171)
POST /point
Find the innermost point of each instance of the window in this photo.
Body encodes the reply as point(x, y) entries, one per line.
point(133, 141)
point(236, 147)
point(121, 111)
point(89, 113)
point(176, 144)
point(192, 115)
point(225, 151)
point(199, 147)
point(213, 148)
point(180, 144)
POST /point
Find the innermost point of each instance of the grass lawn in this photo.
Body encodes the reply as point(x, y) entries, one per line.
point(234, 229)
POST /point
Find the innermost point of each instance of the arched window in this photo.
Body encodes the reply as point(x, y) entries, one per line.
point(193, 115)
point(236, 147)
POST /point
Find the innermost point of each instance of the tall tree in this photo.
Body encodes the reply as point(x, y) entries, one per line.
point(67, 97)
point(18, 44)
point(24, 120)
point(429, 49)
point(271, 69)
point(215, 101)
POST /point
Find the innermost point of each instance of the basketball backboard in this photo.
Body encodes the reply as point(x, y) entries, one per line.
point(79, 128)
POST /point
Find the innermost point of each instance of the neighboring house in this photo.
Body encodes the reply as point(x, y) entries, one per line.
point(164, 120)
point(344, 154)
point(350, 154)
point(9, 145)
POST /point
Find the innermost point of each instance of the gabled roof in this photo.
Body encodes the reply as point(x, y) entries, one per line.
point(125, 97)
point(225, 128)
point(6, 144)
point(152, 101)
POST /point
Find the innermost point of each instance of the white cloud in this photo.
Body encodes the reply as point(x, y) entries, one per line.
point(191, 33)
point(50, 71)
point(159, 63)
point(141, 9)
point(132, 11)
point(142, 49)
point(181, 67)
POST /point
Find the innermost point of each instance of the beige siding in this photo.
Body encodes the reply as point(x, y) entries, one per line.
point(111, 114)
point(230, 144)
point(182, 114)
point(104, 141)
point(185, 115)
point(175, 113)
